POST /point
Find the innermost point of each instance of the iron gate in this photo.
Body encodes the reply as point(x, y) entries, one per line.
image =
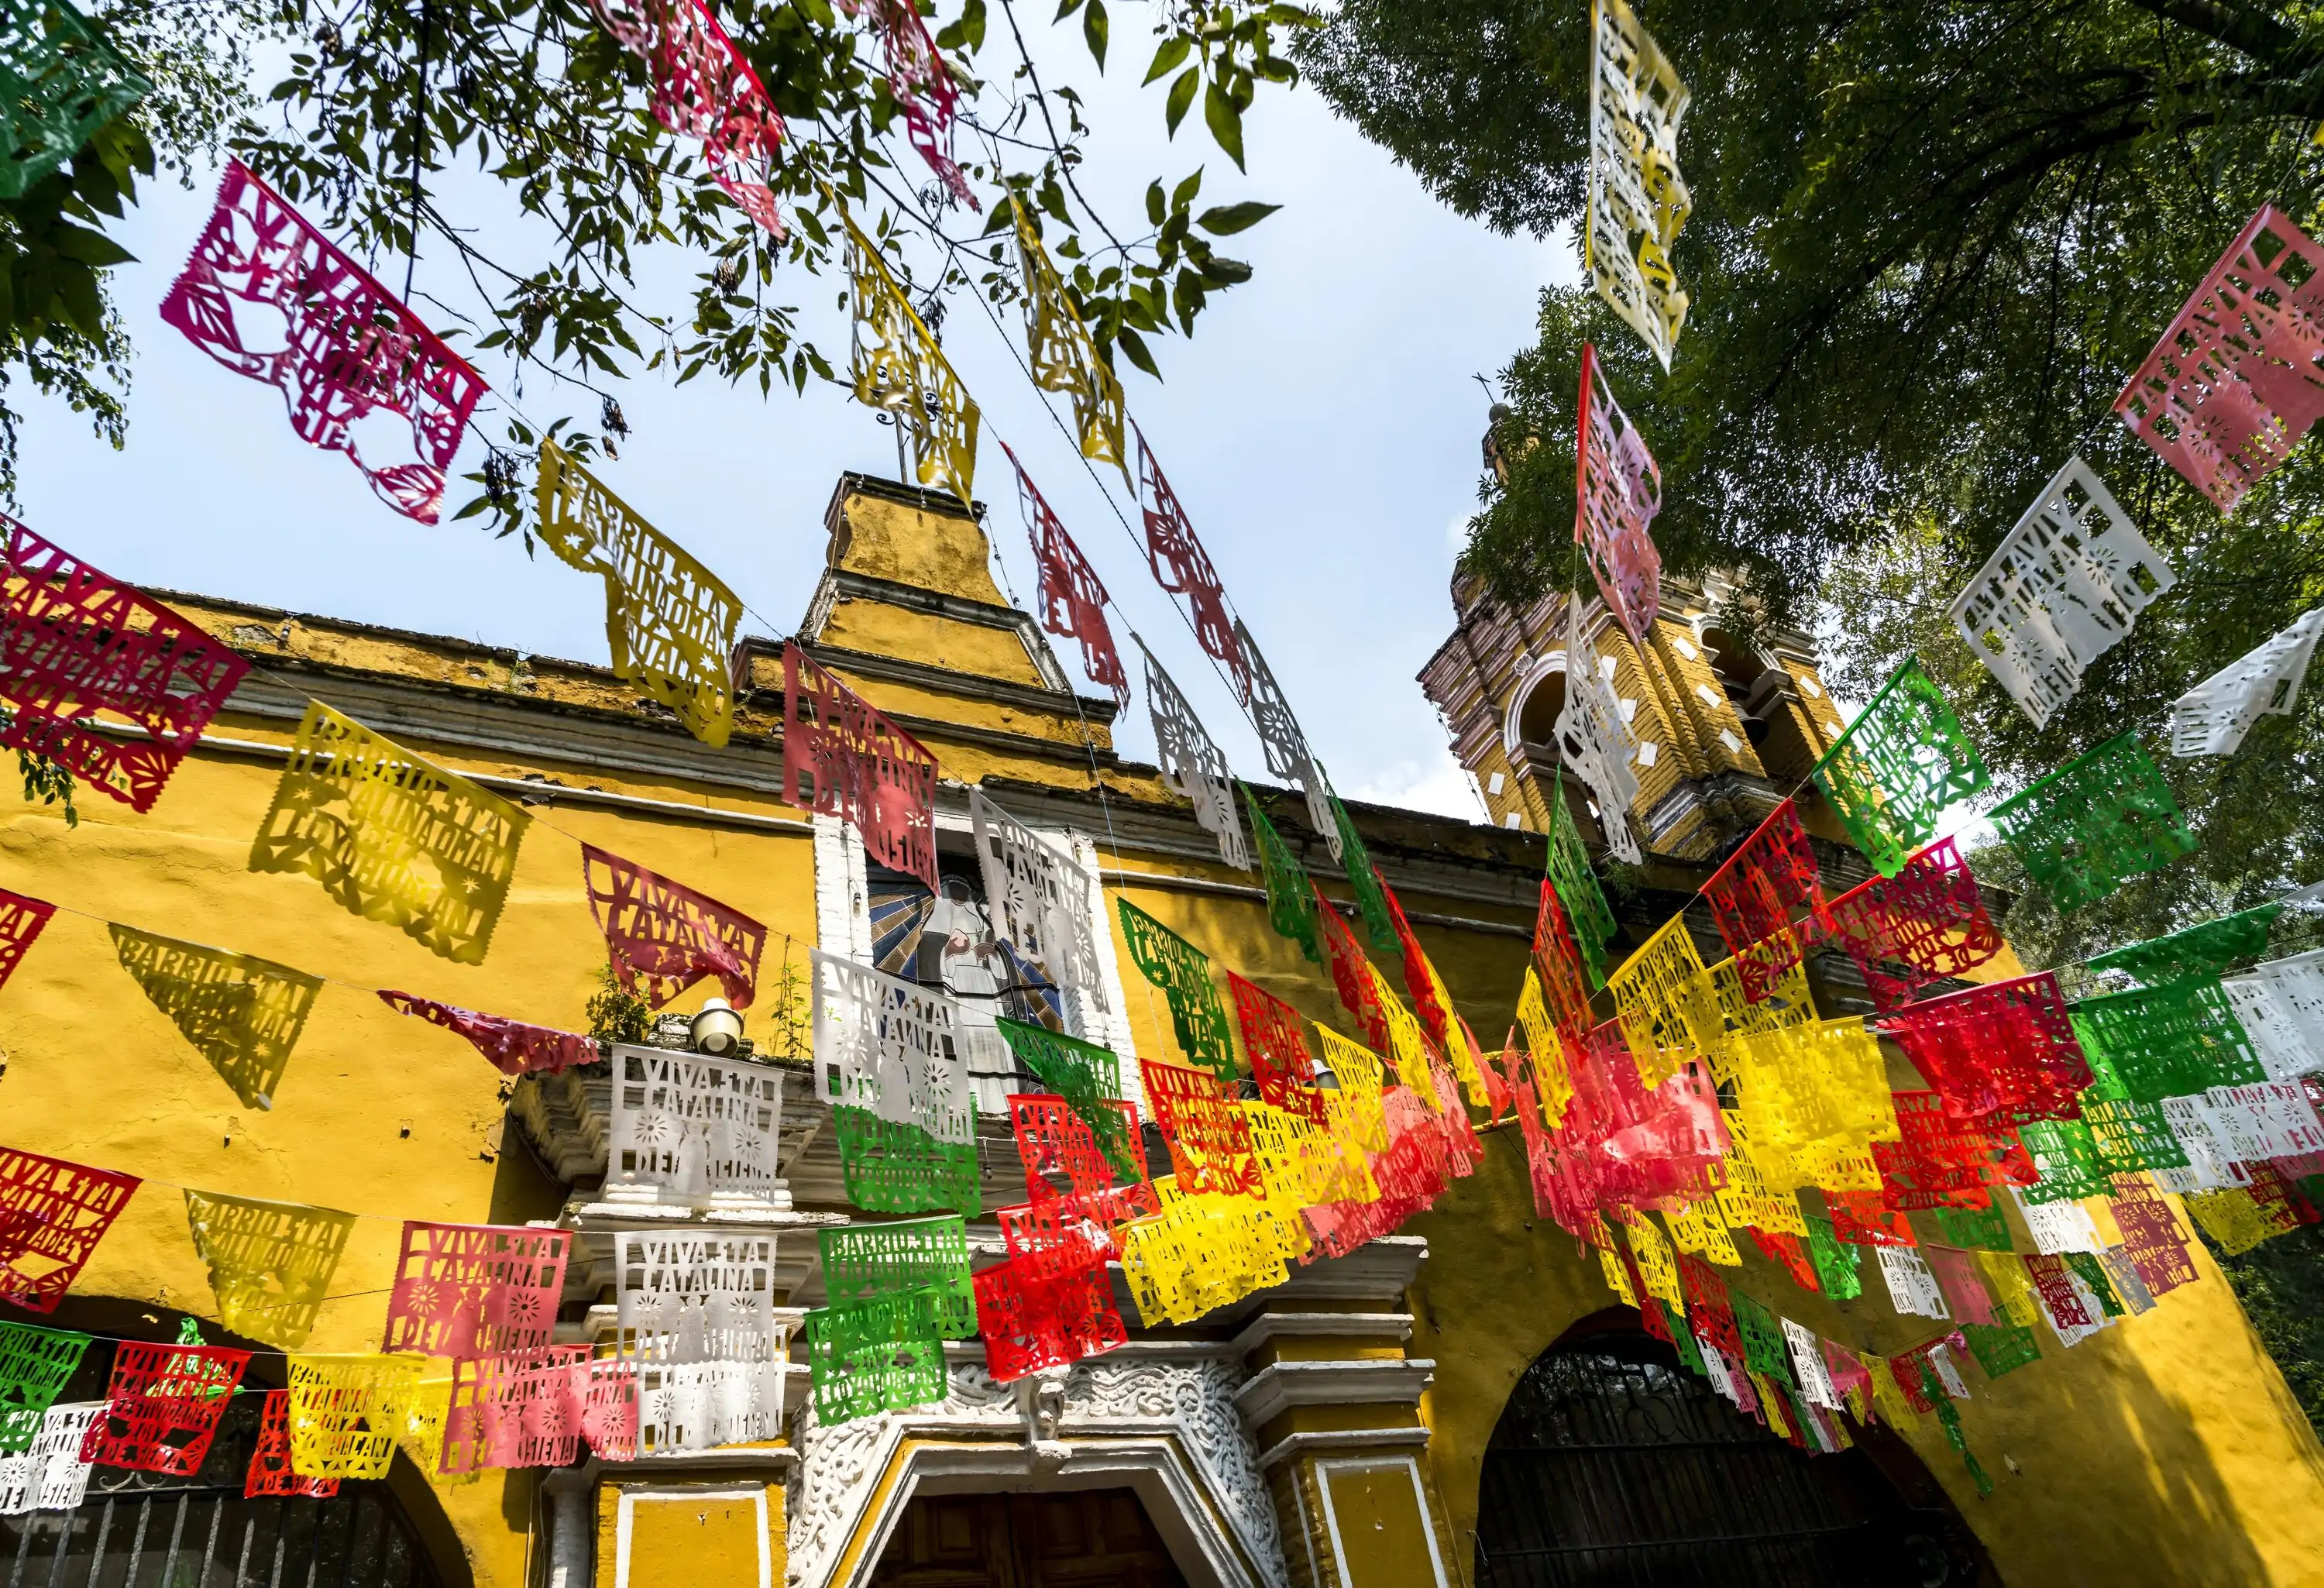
point(1612, 1466)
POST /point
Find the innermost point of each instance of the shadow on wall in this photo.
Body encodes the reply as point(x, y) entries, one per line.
point(2106, 1475)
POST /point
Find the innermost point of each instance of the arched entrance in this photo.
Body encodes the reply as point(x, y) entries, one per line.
point(1088, 1538)
point(1612, 1466)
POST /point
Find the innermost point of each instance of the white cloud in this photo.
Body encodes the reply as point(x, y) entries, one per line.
point(1440, 786)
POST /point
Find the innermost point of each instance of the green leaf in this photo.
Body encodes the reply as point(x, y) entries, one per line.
point(91, 248)
point(1135, 346)
point(1225, 122)
point(1166, 59)
point(1182, 95)
point(1093, 31)
point(1183, 194)
point(1154, 208)
point(1227, 219)
point(1224, 273)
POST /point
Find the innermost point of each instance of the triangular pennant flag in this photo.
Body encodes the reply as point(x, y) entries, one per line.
point(240, 1012)
point(269, 1263)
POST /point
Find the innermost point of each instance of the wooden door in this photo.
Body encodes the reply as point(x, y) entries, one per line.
point(1089, 1538)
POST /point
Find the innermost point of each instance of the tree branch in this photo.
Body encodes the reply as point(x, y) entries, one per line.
point(2262, 38)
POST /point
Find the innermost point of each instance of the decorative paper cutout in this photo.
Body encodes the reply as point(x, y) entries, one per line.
point(2001, 1348)
point(1696, 1227)
point(2151, 1234)
point(2005, 1282)
point(162, 1405)
point(1290, 895)
point(2060, 590)
point(1979, 1228)
point(1210, 1143)
point(520, 1409)
point(2268, 1119)
point(512, 1046)
point(1557, 957)
point(1746, 1200)
point(921, 85)
point(1088, 1079)
point(1593, 741)
point(1782, 1002)
point(1839, 1264)
point(1898, 767)
point(1768, 883)
point(670, 621)
point(2094, 824)
point(1637, 200)
point(350, 346)
point(1808, 1366)
point(864, 1359)
point(35, 1364)
point(697, 1332)
point(924, 1259)
point(1957, 1275)
point(1940, 1161)
point(270, 1475)
point(346, 1412)
point(52, 1215)
point(892, 1059)
point(2158, 1042)
point(1583, 901)
point(1354, 1106)
point(1191, 764)
point(2060, 1297)
point(2004, 1047)
point(2123, 1274)
point(667, 935)
point(1660, 996)
point(2235, 1221)
point(391, 836)
point(1818, 1092)
point(1861, 1218)
point(269, 1263)
point(1617, 490)
point(2212, 717)
point(1912, 1287)
point(240, 1012)
point(470, 1290)
point(1657, 1264)
point(1034, 1322)
point(692, 1124)
point(1055, 1137)
point(2278, 1035)
point(1792, 1252)
point(1408, 1051)
point(50, 1475)
point(2130, 1135)
point(1040, 901)
point(843, 758)
point(73, 643)
point(704, 87)
point(1279, 735)
point(1065, 358)
point(1275, 1040)
point(1182, 567)
point(2212, 1160)
point(1073, 597)
point(1929, 921)
point(1363, 881)
point(2230, 387)
point(2199, 953)
point(2066, 1156)
point(897, 365)
point(1182, 974)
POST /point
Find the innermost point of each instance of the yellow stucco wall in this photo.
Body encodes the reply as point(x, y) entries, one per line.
point(2167, 1450)
point(378, 1114)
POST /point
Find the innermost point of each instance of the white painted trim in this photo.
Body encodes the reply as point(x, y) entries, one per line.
point(1323, 1471)
point(630, 1497)
point(1266, 1326)
point(1292, 1444)
point(1331, 1381)
point(842, 898)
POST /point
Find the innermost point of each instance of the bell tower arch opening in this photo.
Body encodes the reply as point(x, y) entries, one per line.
point(1612, 1463)
point(1530, 737)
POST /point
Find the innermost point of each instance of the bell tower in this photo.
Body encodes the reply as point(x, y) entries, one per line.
point(1719, 729)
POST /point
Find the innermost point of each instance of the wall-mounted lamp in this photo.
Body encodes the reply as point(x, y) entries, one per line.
point(717, 1030)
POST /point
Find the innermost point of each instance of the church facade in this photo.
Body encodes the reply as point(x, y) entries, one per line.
point(1461, 1404)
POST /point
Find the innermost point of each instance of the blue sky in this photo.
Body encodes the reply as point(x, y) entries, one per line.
point(1322, 428)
